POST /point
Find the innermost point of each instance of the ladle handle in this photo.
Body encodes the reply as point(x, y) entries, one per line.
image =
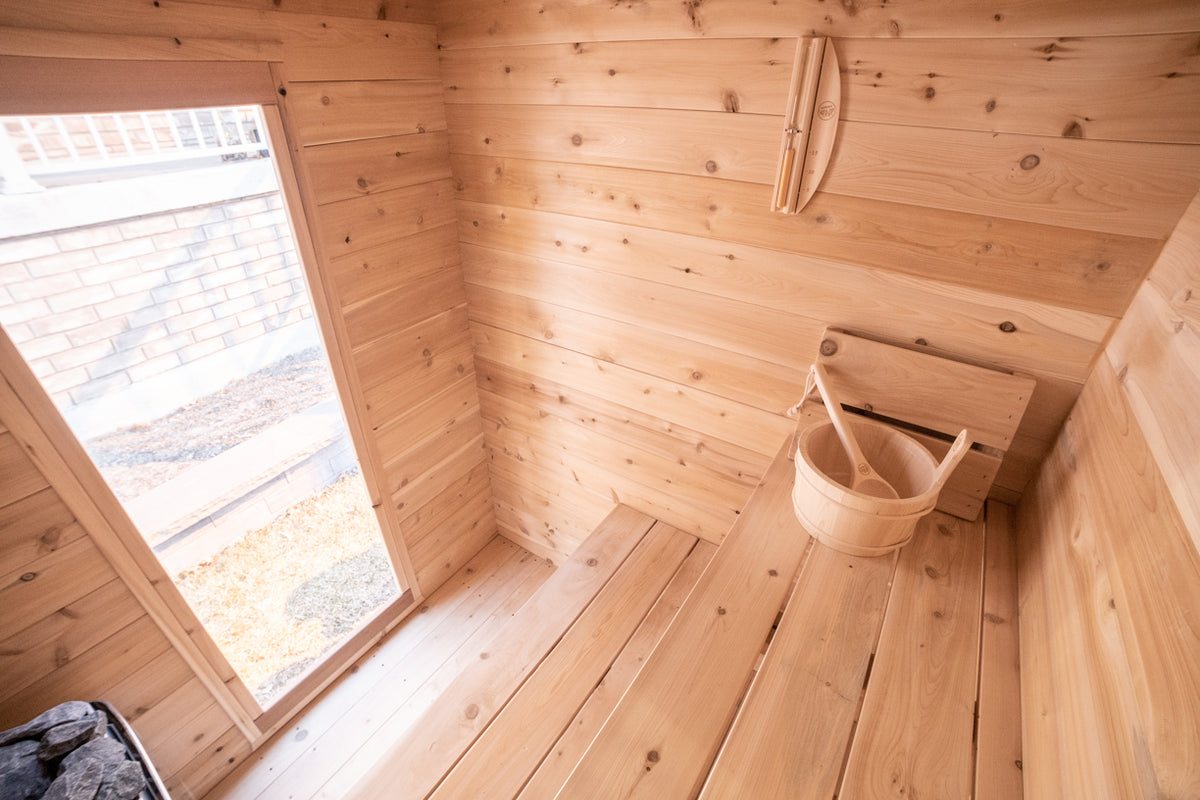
point(839, 420)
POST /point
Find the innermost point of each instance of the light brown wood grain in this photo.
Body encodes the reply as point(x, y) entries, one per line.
point(790, 735)
point(1156, 353)
point(447, 617)
point(1076, 683)
point(1130, 188)
point(914, 731)
point(1049, 339)
point(999, 760)
point(662, 736)
point(403, 307)
point(1112, 87)
point(406, 766)
point(1096, 273)
point(427, 449)
point(34, 526)
point(46, 644)
point(119, 47)
point(750, 75)
point(538, 22)
point(344, 111)
point(362, 275)
point(702, 496)
point(440, 411)
point(349, 226)
point(561, 758)
point(507, 752)
point(404, 10)
point(741, 425)
point(1121, 87)
point(925, 390)
point(1152, 566)
point(344, 170)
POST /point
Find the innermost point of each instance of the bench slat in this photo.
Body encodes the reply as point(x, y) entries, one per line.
point(662, 737)
point(790, 738)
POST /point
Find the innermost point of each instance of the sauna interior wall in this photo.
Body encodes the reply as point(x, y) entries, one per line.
point(363, 106)
point(1004, 178)
point(1108, 536)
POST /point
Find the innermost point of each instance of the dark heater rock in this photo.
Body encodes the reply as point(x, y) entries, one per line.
point(106, 751)
point(62, 739)
point(125, 781)
point(80, 782)
point(70, 711)
point(67, 753)
point(21, 774)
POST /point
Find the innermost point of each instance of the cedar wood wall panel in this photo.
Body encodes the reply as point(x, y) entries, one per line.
point(364, 98)
point(1108, 561)
point(614, 162)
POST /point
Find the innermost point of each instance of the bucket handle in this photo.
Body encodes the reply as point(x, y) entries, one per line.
point(954, 456)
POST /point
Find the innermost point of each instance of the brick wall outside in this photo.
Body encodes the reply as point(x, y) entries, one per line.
point(98, 308)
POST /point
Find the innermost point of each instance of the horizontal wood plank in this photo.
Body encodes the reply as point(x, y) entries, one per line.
point(364, 223)
point(1094, 272)
point(344, 111)
point(344, 170)
point(540, 22)
point(1048, 340)
point(363, 274)
point(1130, 188)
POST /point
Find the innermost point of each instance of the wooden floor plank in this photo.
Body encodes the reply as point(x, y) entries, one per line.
point(514, 744)
point(662, 737)
point(413, 758)
point(998, 759)
point(914, 732)
point(570, 747)
point(790, 737)
point(302, 756)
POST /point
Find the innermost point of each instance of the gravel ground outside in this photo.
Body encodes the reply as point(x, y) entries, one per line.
point(279, 598)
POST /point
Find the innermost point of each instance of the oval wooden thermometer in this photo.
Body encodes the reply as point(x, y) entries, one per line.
point(810, 125)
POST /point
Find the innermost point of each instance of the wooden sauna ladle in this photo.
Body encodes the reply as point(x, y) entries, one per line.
point(863, 478)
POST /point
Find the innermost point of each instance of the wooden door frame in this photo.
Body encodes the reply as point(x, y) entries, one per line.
point(36, 85)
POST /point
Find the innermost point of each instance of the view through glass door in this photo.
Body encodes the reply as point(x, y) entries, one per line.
point(148, 276)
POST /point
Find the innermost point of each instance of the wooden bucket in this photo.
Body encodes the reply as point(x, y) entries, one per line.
point(856, 523)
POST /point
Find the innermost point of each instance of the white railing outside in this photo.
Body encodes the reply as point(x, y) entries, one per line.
point(57, 144)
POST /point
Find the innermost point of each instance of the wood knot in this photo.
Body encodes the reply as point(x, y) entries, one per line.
point(325, 100)
point(577, 140)
point(652, 756)
point(1103, 266)
point(721, 611)
point(929, 92)
point(591, 562)
point(29, 576)
point(829, 347)
point(710, 167)
point(1029, 162)
point(931, 572)
point(362, 183)
point(1007, 327)
point(921, 342)
point(1073, 131)
point(472, 711)
point(990, 106)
